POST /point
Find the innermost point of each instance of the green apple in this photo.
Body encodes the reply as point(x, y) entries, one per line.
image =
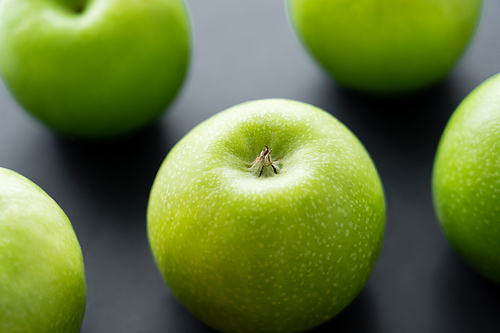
point(466, 179)
point(42, 277)
point(94, 69)
point(268, 217)
point(385, 47)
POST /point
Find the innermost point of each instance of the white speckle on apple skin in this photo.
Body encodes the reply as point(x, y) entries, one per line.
point(247, 253)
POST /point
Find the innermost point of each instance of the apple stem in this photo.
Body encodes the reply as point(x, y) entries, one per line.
point(262, 161)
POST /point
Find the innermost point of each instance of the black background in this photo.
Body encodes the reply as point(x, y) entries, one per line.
point(246, 50)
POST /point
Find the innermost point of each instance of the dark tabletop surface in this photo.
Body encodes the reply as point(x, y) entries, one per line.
point(246, 50)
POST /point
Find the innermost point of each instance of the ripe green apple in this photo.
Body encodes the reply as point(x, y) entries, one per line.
point(466, 179)
point(94, 69)
point(42, 277)
point(385, 47)
point(268, 217)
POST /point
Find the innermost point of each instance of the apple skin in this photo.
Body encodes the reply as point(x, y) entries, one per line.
point(385, 47)
point(277, 253)
point(42, 277)
point(98, 69)
point(466, 179)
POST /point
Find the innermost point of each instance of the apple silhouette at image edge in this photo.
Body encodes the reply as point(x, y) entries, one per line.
point(466, 179)
point(385, 47)
point(94, 69)
point(250, 246)
point(42, 276)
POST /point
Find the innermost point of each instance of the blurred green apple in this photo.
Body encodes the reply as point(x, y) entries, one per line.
point(268, 217)
point(466, 179)
point(385, 46)
point(42, 277)
point(94, 69)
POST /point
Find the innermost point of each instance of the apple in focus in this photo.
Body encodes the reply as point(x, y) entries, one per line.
point(94, 69)
point(385, 47)
point(466, 179)
point(267, 217)
point(42, 276)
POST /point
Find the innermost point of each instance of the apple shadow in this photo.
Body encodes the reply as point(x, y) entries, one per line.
point(358, 317)
point(116, 175)
point(179, 319)
point(106, 189)
point(401, 134)
point(465, 301)
point(408, 126)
